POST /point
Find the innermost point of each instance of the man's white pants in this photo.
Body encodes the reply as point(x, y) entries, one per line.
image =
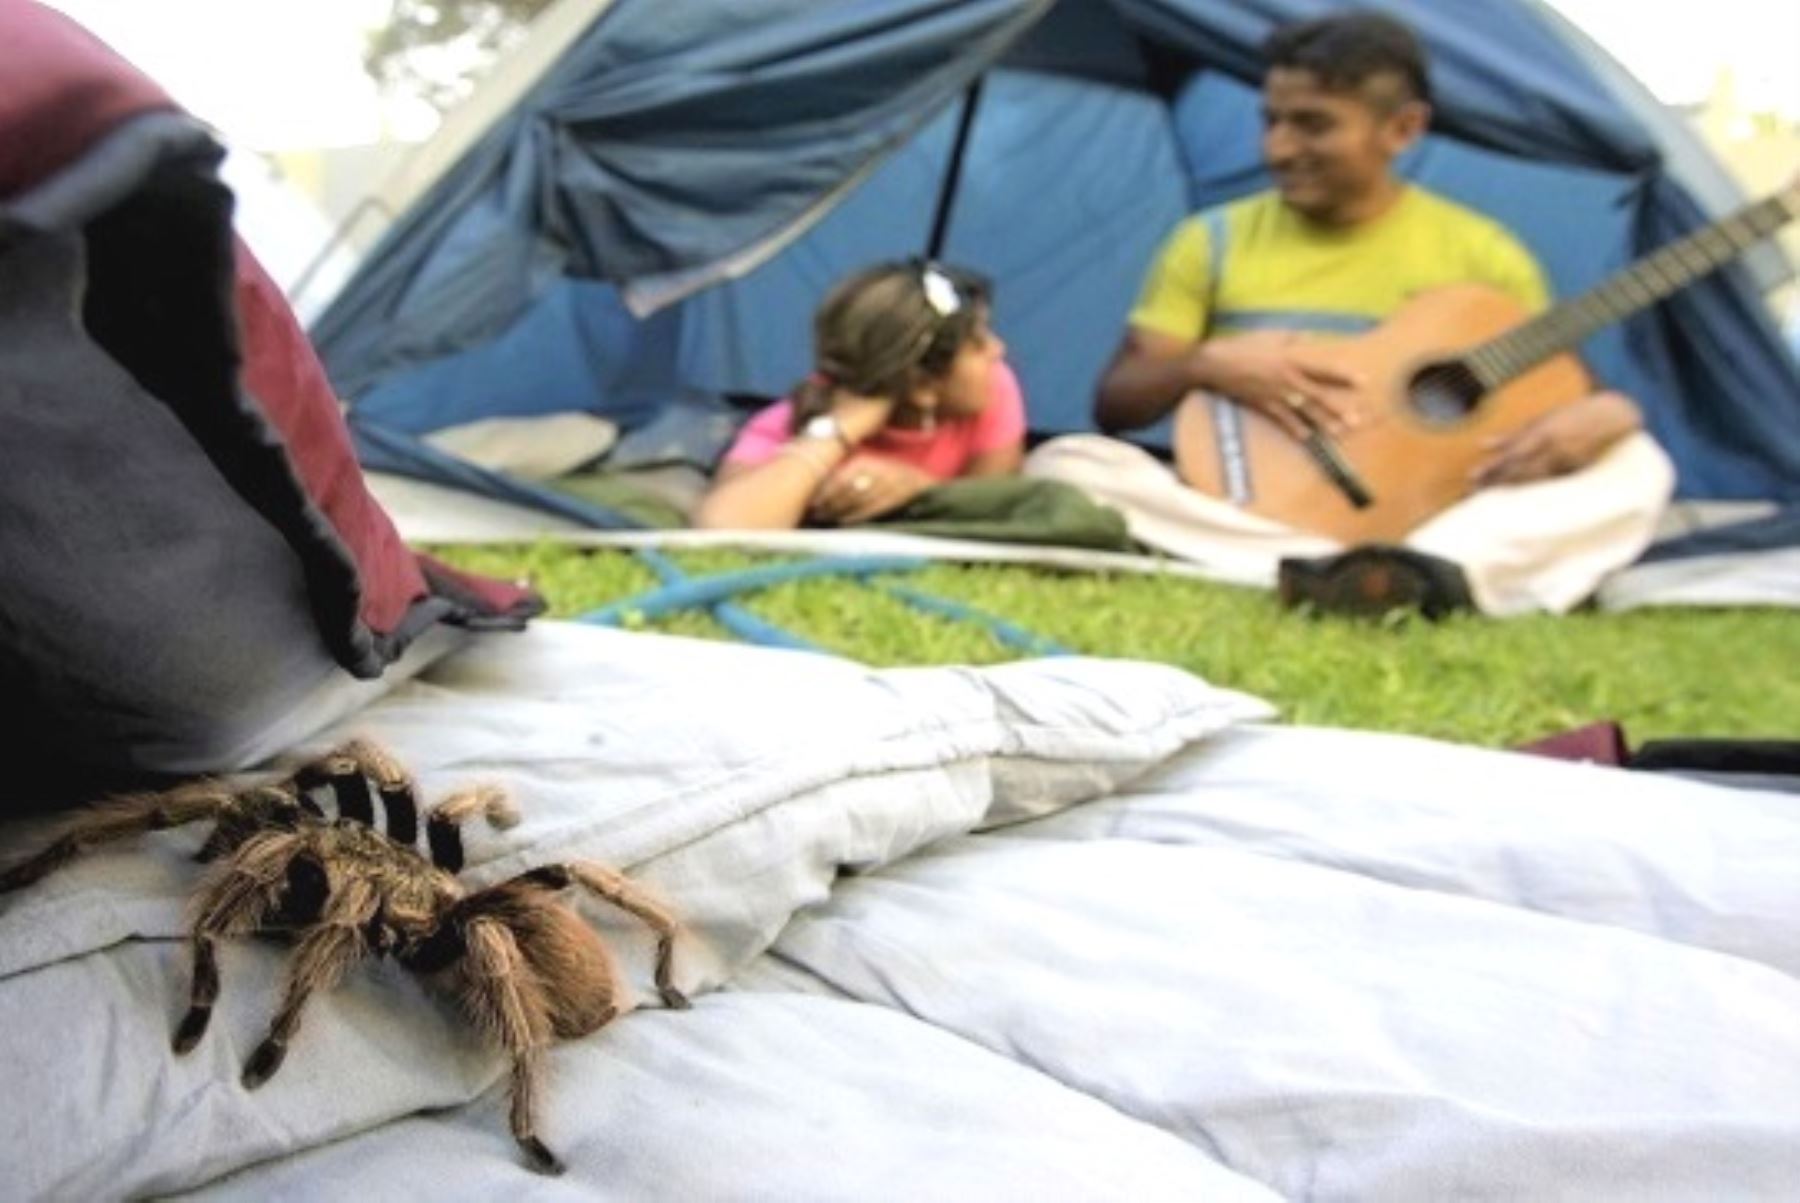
point(1540, 546)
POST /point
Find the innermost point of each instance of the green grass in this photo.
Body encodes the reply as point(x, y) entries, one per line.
point(1731, 673)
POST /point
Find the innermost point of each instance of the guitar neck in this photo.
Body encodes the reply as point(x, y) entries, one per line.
point(1668, 270)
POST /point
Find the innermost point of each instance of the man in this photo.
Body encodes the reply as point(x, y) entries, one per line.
point(1333, 248)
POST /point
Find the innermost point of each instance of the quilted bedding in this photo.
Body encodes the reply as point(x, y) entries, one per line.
point(1065, 929)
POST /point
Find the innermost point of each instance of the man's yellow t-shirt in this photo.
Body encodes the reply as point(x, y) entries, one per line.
point(1280, 270)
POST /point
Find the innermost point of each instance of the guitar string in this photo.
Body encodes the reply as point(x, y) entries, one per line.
point(1664, 272)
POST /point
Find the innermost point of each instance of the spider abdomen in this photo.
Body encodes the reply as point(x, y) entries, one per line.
point(523, 967)
point(574, 968)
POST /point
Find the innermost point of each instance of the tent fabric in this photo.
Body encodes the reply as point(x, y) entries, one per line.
point(745, 157)
point(1682, 150)
point(1778, 529)
point(637, 153)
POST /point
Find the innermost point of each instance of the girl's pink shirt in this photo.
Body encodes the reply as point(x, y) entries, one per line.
point(942, 453)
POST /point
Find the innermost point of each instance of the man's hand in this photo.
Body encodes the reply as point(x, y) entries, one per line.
point(1265, 371)
point(1562, 441)
point(865, 487)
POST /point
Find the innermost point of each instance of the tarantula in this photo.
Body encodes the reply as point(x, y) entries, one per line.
point(521, 965)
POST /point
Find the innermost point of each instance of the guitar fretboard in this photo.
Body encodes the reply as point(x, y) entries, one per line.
point(1666, 271)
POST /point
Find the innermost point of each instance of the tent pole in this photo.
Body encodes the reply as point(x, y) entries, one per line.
point(338, 236)
point(940, 223)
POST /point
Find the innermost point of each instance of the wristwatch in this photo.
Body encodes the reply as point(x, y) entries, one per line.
point(826, 426)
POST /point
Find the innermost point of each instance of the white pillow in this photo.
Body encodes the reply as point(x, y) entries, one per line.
point(538, 448)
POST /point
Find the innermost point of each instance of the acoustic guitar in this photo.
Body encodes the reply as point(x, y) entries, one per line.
point(1451, 368)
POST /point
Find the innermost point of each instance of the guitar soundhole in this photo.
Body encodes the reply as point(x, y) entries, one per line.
point(1444, 393)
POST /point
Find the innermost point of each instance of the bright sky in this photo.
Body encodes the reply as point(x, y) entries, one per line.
point(287, 74)
point(1678, 48)
point(269, 74)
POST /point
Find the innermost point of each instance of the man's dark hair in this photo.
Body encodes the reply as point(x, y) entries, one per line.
point(1346, 50)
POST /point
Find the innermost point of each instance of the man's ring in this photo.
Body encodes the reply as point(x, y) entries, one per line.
point(1295, 400)
point(861, 484)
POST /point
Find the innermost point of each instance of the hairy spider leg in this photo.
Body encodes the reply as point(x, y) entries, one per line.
point(257, 809)
point(629, 896)
point(504, 999)
point(443, 824)
point(117, 819)
point(348, 770)
point(319, 961)
point(234, 901)
point(401, 806)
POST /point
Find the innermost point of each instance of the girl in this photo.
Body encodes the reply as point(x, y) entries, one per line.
point(910, 388)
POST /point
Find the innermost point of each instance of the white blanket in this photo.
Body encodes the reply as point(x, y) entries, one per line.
point(1059, 930)
point(1545, 545)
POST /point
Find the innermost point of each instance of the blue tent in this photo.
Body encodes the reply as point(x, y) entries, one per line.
point(650, 227)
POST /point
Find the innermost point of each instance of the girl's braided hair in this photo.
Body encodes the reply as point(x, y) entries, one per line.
point(878, 333)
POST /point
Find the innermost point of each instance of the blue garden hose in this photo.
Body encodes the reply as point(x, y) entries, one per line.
point(733, 618)
point(708, 591)
point(1011, 634)
point(680, 592)
point(408, 455)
